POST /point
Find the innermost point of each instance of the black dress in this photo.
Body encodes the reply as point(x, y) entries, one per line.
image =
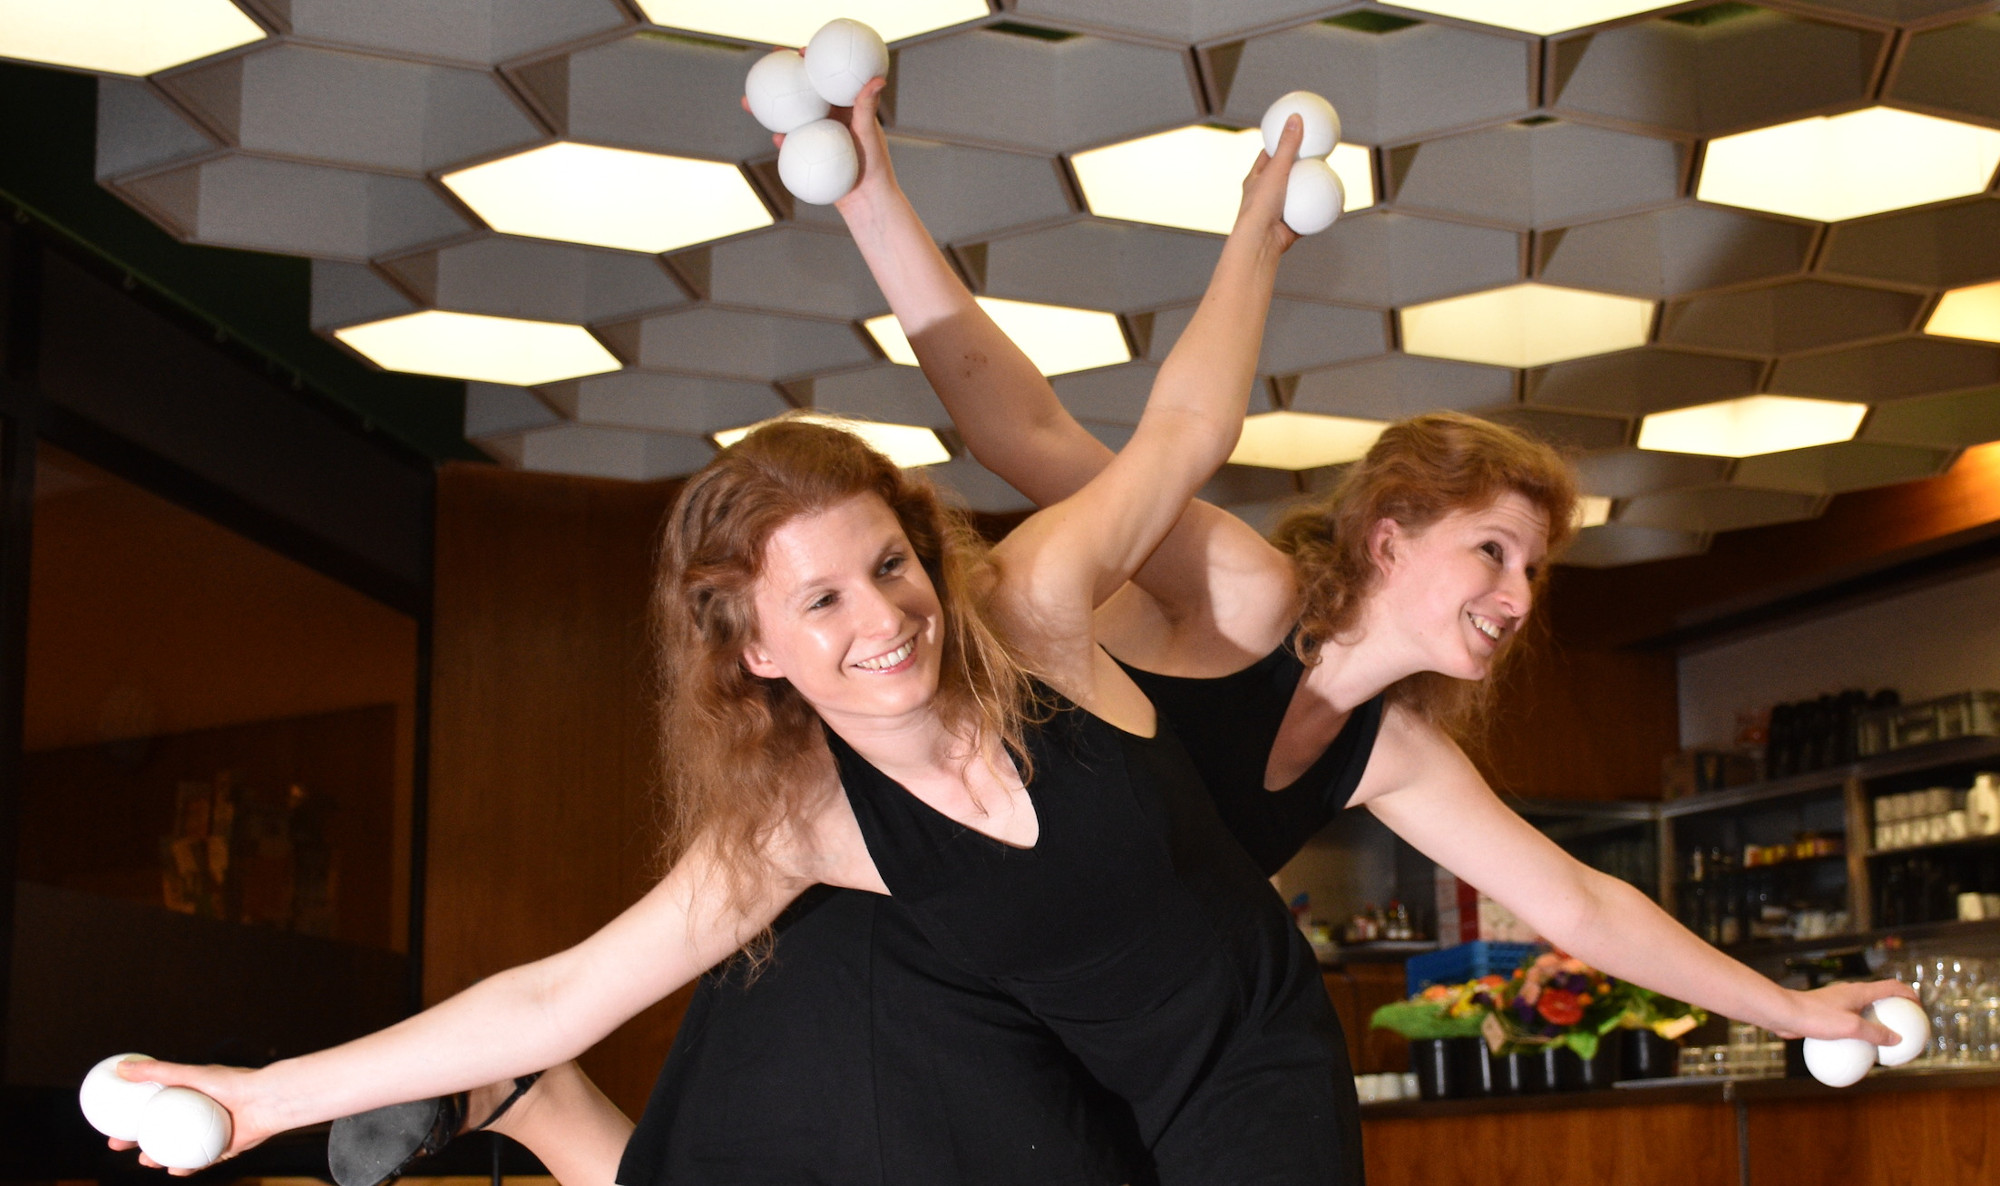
point(863, 1055)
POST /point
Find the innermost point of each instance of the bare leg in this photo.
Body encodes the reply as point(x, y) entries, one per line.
point(564, 1120)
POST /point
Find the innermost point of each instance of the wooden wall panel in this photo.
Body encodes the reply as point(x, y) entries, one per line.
point(1571, 723)
point(1923, 1138)
point(1640, 1145)
point(542, 821)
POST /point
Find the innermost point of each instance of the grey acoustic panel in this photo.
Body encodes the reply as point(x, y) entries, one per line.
point(1114, 395)
point(962, 192)
point(1670, 252)
point(1627, 473)
point(316, 210)
point(589, 450)
point(1719, 508)
point(347, 294)
point(1894, 12)
point(1380, 257)
point(1395, 386)
point(1952, 70)
point(992, 87)
point(790, 269)
point(1942, 421)
point(1836, 469)
point(887, 392)
point(1932, 247)
point(738, 344)
point(537, 279)
point(1710, 79)
point(1096, 264)
point(1298, 335)
point(1576, 431)
point(1890, 370)
point(138, 130)
point(355, 109)
point(1240, 485)
point(1389, 87)
point(1787, 318)
point(976, 487)
point(652, 93)
point(1610, 545)
point(696, 405)
point(477, 32)
point(497, 410)
point(1183, 21)
point(1537, 175)
point(1637, 382)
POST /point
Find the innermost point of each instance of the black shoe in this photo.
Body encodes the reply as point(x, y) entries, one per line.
point(375, 1147)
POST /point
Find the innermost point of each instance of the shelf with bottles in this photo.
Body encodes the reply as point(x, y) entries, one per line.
point(1897, 763)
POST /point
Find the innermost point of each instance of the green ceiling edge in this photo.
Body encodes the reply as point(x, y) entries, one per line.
point(47, 167)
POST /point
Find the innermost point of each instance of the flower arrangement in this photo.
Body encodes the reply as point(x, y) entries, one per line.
point(1551, 1000)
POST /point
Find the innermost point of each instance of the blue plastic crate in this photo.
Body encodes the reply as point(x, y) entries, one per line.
point(1467, 961)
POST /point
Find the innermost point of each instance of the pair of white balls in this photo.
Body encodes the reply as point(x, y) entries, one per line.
point(178, 1127)
point(790, 93)
point(1314, 196)
point(1842, 1062)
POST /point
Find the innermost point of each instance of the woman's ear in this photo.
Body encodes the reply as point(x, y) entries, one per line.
point(759, 664)
point(1385, 539)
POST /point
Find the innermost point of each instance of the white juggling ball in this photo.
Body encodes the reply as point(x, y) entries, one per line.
point(842, 57)
point(781, 96)
point(1839, 1062)
point(1909, 1021)
point(1313, 197)
point(183, 1129)
point(817, 162)
point(1321, 123)
point(112, 1105)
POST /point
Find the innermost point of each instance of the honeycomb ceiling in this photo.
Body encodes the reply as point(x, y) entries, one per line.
point(1501, 158)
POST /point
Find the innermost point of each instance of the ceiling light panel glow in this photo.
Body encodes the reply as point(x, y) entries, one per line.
point(1968, 313)
point(135, 37)
point(1830, 168)
point(1592, 510)
point(1303, 440)
point(1526, 325)
point(1751, 425)
point(486, 349)
point(1192, 177)
point(1057, 339)
point(793, 22)
point(908, 445)
point(610, 197)
point(1534, 16)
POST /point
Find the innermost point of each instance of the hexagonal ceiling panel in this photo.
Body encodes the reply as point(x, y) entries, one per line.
point(1504, 158)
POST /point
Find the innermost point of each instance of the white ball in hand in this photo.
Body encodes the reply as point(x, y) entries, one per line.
point(1313, 197)
point(1911, 1024)
point(1839, 1062)
point(1321, 123)
point(781, 96)
point(842, 57)
point(112, 1105)
point(817, 162)
point(183, 1129)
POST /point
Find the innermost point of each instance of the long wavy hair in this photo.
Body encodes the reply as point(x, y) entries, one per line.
point(742, 756)
point(1419, 471)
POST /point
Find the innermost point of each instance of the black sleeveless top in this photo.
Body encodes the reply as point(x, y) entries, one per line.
point(1140, 933)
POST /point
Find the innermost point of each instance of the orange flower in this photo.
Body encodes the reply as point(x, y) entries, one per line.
point(1560, 1007)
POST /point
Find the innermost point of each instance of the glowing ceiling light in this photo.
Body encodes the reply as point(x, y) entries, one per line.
point(1592, 510)
point(1751, 425)
point(1526, 325)
point(475, 346)
point(1972, 312)
point(1192, 177)
point(1534, 16)
point(122, 36)
point(793, 22)
point(610, 197)
point(1303, 440)
point(1834, 167)
point(908, 445)
point(1056, 338)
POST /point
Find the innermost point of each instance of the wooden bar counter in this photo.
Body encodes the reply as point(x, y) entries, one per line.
point(1916, 1127)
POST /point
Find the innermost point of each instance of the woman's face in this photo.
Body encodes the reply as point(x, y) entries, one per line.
point(847, 614)
point(1459, 589)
